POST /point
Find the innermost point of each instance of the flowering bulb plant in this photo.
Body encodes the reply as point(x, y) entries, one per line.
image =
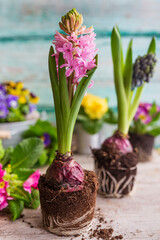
point(92, 113)
point(129, 78)
point(16, 102)
point(71, 67)
point(146, 119)
point(18, 181)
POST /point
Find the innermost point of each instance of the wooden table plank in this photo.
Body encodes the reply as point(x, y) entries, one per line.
point(135, 217)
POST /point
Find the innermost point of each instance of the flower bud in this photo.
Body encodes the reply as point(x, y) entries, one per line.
point(65, 173)
point(71, 22)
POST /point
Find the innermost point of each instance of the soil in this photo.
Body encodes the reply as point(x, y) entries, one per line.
point(59, 207)
point(144, 144)
point(112, 167)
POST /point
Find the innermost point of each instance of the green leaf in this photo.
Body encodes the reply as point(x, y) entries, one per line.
point(43, 158)
point(63, 89)
point(128, 71)
point(7, 156)
point(2, 151)
point(116, 47)
point(34, 199)
point(152, 46)
point(92, 126)
point(39, 128)
point(24, 173)
point(154, 132)
point(76, 103)
point(16, 207)
point(26, 153)
point(20, 194)
point(56, 97)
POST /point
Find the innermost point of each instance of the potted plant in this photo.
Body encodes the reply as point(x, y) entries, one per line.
point(17, 111)
point(144, 129)
point(89, 122)
point(116, 160)
point(67, 192)
point(18, 180)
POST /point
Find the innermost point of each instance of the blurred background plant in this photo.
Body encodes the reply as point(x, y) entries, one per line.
point(16, 102)
point(146, 119)
point(45, 131)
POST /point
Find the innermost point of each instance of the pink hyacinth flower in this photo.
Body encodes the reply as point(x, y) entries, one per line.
point(32, 181)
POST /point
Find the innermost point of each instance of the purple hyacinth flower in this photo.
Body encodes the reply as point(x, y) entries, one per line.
point(3, 111)
point(12, 101)
point(46, 140)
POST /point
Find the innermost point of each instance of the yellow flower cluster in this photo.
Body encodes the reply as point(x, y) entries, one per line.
point(94, 106)
point(17, 89)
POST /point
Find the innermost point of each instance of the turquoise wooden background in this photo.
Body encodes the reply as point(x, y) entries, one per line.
point(27, 28)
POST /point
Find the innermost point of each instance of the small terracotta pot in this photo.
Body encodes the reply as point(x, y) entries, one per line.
point(144, 144)
point(68, 213)
point(116, 177)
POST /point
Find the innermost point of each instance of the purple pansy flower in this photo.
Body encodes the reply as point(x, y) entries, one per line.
point(3, 111)
point(2, 93)
point(32, 107)
point(46, 139)
point(12, 101)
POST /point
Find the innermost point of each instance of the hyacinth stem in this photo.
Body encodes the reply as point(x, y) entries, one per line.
point(66, 105)
point(123, 72)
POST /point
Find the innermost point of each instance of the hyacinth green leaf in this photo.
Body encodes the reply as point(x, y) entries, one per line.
point(26, 153)
point(76, 103)
point(128, 71)
point(122, 61)
point(2, 151)
point(16, 207)
point(152, 46)
point(116, 47)
point(56, 97)
point(63, 89)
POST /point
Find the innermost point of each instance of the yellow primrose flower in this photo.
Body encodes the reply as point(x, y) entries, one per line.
point(22, 99)
point(33, 98)
point(94, 106)
point(19, 85)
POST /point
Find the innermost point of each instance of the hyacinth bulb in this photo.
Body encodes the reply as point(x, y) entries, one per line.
point(118, 144)
point(65, 173)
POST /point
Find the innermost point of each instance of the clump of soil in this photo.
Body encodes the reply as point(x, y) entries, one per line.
point(101, 231)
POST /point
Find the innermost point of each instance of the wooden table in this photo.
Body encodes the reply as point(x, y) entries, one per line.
point(135, 217)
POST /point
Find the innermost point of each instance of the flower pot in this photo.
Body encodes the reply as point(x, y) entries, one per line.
point(85, 141)
point(68, 213)
point(144, 144)
point(15, 129)
point(116, 173)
